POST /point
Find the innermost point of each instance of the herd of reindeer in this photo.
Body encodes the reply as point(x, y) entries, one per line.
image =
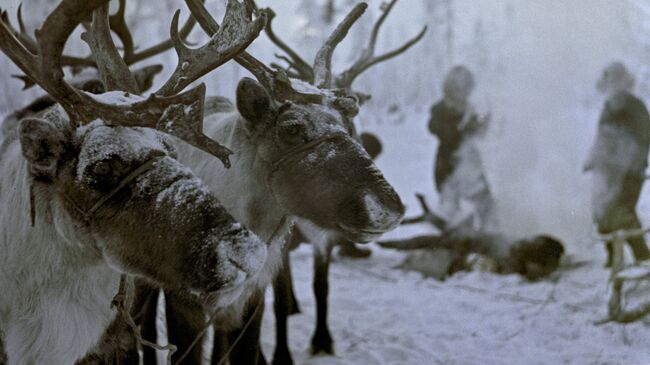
point(111, 193)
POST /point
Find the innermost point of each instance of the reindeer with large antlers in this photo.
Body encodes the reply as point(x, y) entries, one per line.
point(298, 161)
point(91, 189)
point(284, 298)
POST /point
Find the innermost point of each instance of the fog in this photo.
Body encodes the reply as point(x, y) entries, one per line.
point(536, 63)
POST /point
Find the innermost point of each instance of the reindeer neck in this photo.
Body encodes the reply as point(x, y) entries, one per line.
point(243, 188)
point(52, 243)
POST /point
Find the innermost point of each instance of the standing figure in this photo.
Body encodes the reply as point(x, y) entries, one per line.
point(458, 171)
point(619, 158)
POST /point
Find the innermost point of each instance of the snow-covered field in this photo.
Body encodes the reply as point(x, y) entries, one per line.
point(382, 315)
point(536, 63)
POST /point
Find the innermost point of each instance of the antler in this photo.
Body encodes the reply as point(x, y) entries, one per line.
point(114, 72)
point(322, 64)
point(275, 81)
point(304, 70)
point(180, 114)
point(323, 61)
point(237, 32)
point(118, 25)
point(368, 58)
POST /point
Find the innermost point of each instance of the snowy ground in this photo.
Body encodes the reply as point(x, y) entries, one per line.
point(383, 315)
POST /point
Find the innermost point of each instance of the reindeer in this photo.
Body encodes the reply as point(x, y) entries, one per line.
point(321, 341)
point(91, 190)
point(298, 161)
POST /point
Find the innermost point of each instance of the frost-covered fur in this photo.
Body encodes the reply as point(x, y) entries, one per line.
point(256, 208)
point(55, 292)
point(58, 277)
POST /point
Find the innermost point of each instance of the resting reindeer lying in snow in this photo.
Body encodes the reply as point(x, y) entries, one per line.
point(107, 197)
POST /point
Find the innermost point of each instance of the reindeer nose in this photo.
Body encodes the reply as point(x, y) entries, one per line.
point(373, 212)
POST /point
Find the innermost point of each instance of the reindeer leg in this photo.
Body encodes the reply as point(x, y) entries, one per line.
point(219, 346)
point(143, 311)
point(282, 305)
point(248, 350)
point(322, 340)
point(3, 355)
point(185, 320)
point(294, 307)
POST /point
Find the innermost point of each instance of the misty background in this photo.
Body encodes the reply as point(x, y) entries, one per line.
point(536, 64)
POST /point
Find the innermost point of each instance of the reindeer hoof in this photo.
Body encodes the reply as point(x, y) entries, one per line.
point(322, 343)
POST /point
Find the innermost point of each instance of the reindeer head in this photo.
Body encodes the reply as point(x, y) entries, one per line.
point(121, 190)
point(303, 132)
point(115, 184)
point(316, 168)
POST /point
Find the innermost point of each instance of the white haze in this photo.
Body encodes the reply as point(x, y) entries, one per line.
point(536, 63)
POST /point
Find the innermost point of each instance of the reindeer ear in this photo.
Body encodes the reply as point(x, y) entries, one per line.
point(253, 102)
point(42, 145)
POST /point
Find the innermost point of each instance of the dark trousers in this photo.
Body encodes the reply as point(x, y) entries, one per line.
point(615, 199)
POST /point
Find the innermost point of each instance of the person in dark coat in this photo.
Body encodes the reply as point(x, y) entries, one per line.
point(619, 158)
point(458, 170)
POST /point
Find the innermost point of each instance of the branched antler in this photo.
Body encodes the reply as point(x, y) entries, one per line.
point(368, 58)
point(276, 82)
point(114, 73)
point(177, 113)
point(323, 61)
point(304, 70)
point(237, 32)
point(118, 24)
point(320, 74)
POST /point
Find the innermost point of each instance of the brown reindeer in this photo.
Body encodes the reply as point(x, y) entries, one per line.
point(285, 303)
point(91, 190)
point(298, 160)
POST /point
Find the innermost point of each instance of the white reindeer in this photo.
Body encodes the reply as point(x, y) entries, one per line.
point(82, 205)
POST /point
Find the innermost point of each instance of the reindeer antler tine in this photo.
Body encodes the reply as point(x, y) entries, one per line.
point(375, 29)
point(210, 26)
point(21, 34)
point(176, 39)
point(305, 71)
point(184, 32)
point(118, 24)
point(251, 7)
point(114, 73)
point(323, 61)
point(179, 114)
point(184, 119)
point(19, 15)
point(231, 39)
point(276, 82)
point(368, 58)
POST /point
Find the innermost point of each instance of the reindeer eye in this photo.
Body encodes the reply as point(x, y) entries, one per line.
point(292, 130)
point(102, 169)
point(106, 173)
point(291, 133)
